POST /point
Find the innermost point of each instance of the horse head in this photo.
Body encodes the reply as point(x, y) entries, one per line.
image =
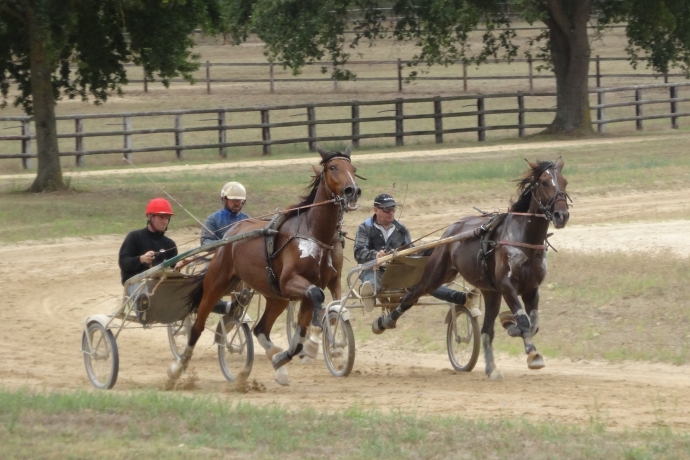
point(338, 177)
point(548, 190)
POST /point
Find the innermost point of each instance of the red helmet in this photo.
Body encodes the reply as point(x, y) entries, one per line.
point(159, 206)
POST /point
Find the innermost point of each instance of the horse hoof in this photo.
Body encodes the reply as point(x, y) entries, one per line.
point(535, 360)
point(311, 348)
point(271, 352)
point(175, 370)
point(376, 327)
point(281, 376)
point(496, 376)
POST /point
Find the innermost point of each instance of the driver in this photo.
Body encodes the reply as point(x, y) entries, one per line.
point(148, 247)
point(233, 196)
point(378, 236)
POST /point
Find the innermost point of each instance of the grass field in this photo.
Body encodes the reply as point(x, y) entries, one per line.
point(155, 425)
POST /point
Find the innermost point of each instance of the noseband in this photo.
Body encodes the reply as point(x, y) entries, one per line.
point(547, 209)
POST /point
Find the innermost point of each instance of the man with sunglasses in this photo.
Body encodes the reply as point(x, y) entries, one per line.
point(379, 235)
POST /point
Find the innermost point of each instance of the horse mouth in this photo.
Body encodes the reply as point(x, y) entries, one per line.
point(352, 206)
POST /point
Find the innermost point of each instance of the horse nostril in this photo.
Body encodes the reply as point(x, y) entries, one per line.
point(359, 192)
point(348, 191)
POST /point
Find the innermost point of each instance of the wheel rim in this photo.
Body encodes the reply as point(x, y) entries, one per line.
point(461, 340)
point(234, 354)
point(178, 334)
point(101, 358)
point(337, 350)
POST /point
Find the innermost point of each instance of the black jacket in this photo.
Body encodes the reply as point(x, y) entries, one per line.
point(139, 242)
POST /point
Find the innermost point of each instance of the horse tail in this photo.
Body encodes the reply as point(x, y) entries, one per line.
point(196, 292)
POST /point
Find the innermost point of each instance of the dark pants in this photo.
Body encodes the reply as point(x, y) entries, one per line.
point(441, 293)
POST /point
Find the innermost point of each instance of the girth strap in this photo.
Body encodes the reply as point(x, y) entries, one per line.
point(522, 245)
point(270, 232)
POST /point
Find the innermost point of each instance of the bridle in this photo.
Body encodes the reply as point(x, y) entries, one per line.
point(546, 210)
point(334, 197)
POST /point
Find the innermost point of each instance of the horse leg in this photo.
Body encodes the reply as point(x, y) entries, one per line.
point(310, 309)
point(262, 331)
point(492, 304)
point(535, 360)
point(434, 275)
point(215, 285)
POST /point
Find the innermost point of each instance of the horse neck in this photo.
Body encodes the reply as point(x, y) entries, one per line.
point(321, 221)
point(528, 229)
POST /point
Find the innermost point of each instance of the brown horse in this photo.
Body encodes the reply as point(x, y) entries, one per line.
point(509, 262)
point(301, 262)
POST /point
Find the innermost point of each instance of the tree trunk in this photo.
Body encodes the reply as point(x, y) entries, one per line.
point(570, 53)
point(49, 174)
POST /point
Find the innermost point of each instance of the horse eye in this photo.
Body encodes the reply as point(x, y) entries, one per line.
point(333, 168)
point(545, 183)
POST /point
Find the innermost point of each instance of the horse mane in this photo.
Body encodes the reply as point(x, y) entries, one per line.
point(524, 187)
point(313, 186)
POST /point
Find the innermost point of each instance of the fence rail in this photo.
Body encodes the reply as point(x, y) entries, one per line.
point(263, 129)
point(399, 65)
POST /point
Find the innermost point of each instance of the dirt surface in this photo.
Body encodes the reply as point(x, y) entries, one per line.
point(50, 287)
point(48, 290)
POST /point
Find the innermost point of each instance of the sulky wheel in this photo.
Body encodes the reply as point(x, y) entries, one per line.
point(235, 348)
point(338, 348)
point(178, 334)
point(101, 359)
point(462, 340)
point(291, 319)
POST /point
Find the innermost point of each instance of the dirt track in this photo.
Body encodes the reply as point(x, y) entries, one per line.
point(49, 288)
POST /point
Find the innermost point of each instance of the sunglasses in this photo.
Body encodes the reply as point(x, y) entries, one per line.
point(388, 209)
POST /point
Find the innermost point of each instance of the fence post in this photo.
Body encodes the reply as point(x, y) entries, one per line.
point(464, 76)
point(531, 74)
point(26, 142)
point(311, 128)
point(265, 132)
point(521, 115)
point(665, 77)
point(600, 112)
point(355, 124)
point(222, 150)
point(127, 121)
point(638, 109)
point(146, 80)
point(208, 77)
point(598, 72)
point(481, 133)
point(399, 75)
point(674, 106)
point(79, 140)
point(399, 129)
point(438, 119)
point(270, 77)
point(178, 137)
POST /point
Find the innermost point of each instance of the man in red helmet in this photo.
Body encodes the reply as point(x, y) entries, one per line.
point(148, 247)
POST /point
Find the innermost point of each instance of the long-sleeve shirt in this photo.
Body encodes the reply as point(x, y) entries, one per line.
point(218, 223)
point(139, 242)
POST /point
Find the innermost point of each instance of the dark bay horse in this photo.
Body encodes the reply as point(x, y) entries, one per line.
point(510, 262)
point(301, 262)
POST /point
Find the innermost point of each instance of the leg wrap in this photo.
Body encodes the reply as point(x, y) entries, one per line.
point(317, 297)
point(296, 345)
point(522, 321)
point(395, 314)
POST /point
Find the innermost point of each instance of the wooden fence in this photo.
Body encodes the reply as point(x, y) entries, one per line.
point(397, 74)
point(263, 129)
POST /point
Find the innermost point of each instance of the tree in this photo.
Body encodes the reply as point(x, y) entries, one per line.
point(441, 28)
point(41, 42)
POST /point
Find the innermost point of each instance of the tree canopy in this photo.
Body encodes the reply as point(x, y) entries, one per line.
point(78, 48)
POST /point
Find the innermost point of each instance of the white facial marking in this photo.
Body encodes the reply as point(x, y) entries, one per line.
point(308, 248)
point(351, 178)
point(553, 179)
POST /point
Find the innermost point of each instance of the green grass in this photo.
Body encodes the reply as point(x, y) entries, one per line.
point(113, 204)
point(159, 425)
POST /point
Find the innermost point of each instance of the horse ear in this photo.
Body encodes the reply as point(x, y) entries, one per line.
point(347, 152)
point(559, 164)
point(324, 154)
point(316, 169)
point(531, 165)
